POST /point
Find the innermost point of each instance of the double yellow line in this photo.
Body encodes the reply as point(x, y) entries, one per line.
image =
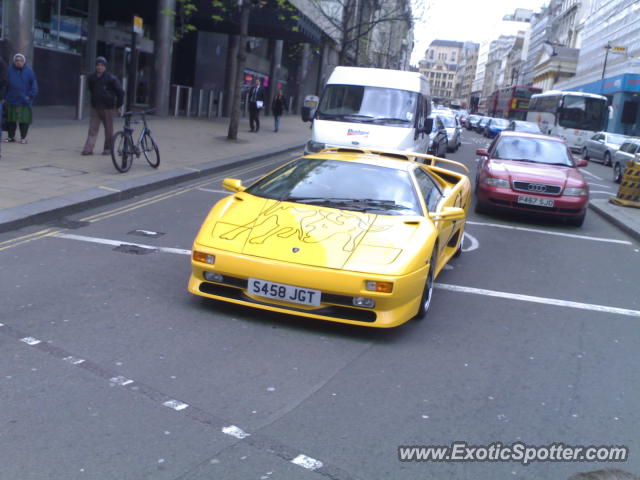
point(48, 232)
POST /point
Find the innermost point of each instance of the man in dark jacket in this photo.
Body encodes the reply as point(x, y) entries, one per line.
point(106, 96)
point(256, 102)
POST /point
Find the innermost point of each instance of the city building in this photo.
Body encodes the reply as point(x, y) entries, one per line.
point(466, 73)
point(440, 66)
point(609, 61)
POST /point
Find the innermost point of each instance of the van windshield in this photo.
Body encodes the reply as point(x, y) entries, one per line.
point(358, 103)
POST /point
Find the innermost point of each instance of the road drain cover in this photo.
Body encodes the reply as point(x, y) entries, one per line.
point(145, 233)
point(134, 249)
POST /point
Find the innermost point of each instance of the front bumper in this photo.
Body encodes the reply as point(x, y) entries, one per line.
point(506, 198)
point(338, 288)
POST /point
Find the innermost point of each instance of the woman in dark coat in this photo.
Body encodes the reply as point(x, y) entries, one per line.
point(22, 89)
point(277, 108)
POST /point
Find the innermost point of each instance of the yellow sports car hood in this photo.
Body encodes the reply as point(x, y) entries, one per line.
point(309, 234)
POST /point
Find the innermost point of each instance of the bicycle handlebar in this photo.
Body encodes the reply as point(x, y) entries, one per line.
point(140, 112)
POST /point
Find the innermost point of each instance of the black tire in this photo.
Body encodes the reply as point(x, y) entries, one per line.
point(617, 173)
point(427, 293)
point(578, 220)
point(150, 150)
point(607, 159)
point(585, 153)
point(122, 152)
point(458, 252)
point(481, 207)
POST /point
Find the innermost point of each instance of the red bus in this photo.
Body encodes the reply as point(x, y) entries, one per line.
point(512, 102)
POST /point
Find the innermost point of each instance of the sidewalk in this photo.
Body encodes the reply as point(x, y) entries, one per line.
point(48, 176)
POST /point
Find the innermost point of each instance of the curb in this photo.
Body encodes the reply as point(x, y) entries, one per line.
point(615, 221)
point(49, 209)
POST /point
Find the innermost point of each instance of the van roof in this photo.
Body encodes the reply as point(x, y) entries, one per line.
point(379, 77)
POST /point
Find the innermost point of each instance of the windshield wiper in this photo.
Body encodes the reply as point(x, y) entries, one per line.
point(520, 160)
point(359, 204)
point(391, 119)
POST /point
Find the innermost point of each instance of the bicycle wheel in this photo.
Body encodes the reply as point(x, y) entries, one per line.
point(122, 152)
point(150, 150)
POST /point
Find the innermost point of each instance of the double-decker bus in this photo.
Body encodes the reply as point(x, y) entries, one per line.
point(573, 116)
point(512, 102)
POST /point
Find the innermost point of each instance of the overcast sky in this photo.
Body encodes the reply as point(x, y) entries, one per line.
point(465, 20)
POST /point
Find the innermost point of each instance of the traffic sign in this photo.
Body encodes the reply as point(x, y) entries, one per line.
point(618, 49)
point(137, 25)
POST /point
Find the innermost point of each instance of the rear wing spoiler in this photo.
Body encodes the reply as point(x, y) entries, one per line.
point(425, 158)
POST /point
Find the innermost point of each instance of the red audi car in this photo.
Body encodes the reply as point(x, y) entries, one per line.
point(532, 173)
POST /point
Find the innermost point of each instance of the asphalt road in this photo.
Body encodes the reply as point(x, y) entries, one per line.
point(110, 369)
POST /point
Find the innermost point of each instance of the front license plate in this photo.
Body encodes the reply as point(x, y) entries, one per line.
point(539, 202)
point(286, 293)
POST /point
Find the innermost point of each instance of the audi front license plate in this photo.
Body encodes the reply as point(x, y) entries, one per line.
point(536, 201)
point(286, 293)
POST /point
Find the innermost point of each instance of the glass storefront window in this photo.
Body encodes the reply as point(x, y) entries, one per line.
point(61, 24)
point(1, 19)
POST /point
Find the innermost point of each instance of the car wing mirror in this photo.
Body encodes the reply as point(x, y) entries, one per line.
point(582, 162)
point(482, 152)
point(428, 125)
point(233, 185)
point(449, 213)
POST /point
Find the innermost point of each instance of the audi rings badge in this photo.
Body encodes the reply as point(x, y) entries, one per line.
point(536, 188)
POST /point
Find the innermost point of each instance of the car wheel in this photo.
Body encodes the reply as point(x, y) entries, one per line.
point(617, 173)
point(585, 153)
point(458, 252)
point(427, 293)
point(607, 159)
point(578, 220)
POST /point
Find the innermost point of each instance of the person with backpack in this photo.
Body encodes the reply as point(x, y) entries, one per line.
point(106, 96)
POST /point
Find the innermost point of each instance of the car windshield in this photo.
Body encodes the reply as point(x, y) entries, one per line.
point(357, 103)
point(536, 150)
point(615, 139)
point(330, 183)
point(449, 122)
point(527, 127)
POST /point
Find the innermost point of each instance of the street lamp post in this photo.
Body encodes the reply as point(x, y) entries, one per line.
point(607, 47)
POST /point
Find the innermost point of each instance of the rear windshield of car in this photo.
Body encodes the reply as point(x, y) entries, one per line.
point(344, 185)
point(499, 122)
point(528, 127)
point(449, 122)
point(535, 150)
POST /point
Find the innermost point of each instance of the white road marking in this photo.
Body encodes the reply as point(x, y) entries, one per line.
point(147, 232)
point(472, 240)
point(30, 340)
point(175, 404)
point(600, 185)
point(120, 380)
point(547, 301)
point(307, 462)
point(601, 191)
point(235, 432)
point(117, 243)
point(548, 232)
point(213, 191)
point(73, 360)
point(590, 174)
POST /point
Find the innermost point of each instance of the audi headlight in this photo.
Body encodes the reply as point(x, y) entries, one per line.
point(314, 146)
point(497, 182)
point(576, 192)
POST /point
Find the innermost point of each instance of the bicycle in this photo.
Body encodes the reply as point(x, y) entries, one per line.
point(123, 148)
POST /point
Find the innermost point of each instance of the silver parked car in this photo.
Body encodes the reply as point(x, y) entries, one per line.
point(602, 146)
point(629, 150)
point(522, 126)
point(454, 130)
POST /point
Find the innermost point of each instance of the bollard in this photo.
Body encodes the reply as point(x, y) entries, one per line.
point(81, 90)
point(210, 106)
point(200, 99)
point(220, 100)
point(189, 94)
point(629, 191)
point(176, 106)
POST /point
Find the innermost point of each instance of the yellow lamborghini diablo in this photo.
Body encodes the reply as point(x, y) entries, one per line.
point(351, 236)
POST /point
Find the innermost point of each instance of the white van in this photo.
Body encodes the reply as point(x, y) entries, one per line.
point(372, 107)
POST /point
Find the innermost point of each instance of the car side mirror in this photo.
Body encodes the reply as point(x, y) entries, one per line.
point(428, 125)
point(307, 114)
point(449, 213)
point(582, 162)
point(482, 152)
point(233, 185)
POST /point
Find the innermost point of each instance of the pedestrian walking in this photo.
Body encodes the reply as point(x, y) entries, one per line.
point(3, 91)
point(256, 102)
point(22, 88)
point(106, 95)
point(278, 107)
